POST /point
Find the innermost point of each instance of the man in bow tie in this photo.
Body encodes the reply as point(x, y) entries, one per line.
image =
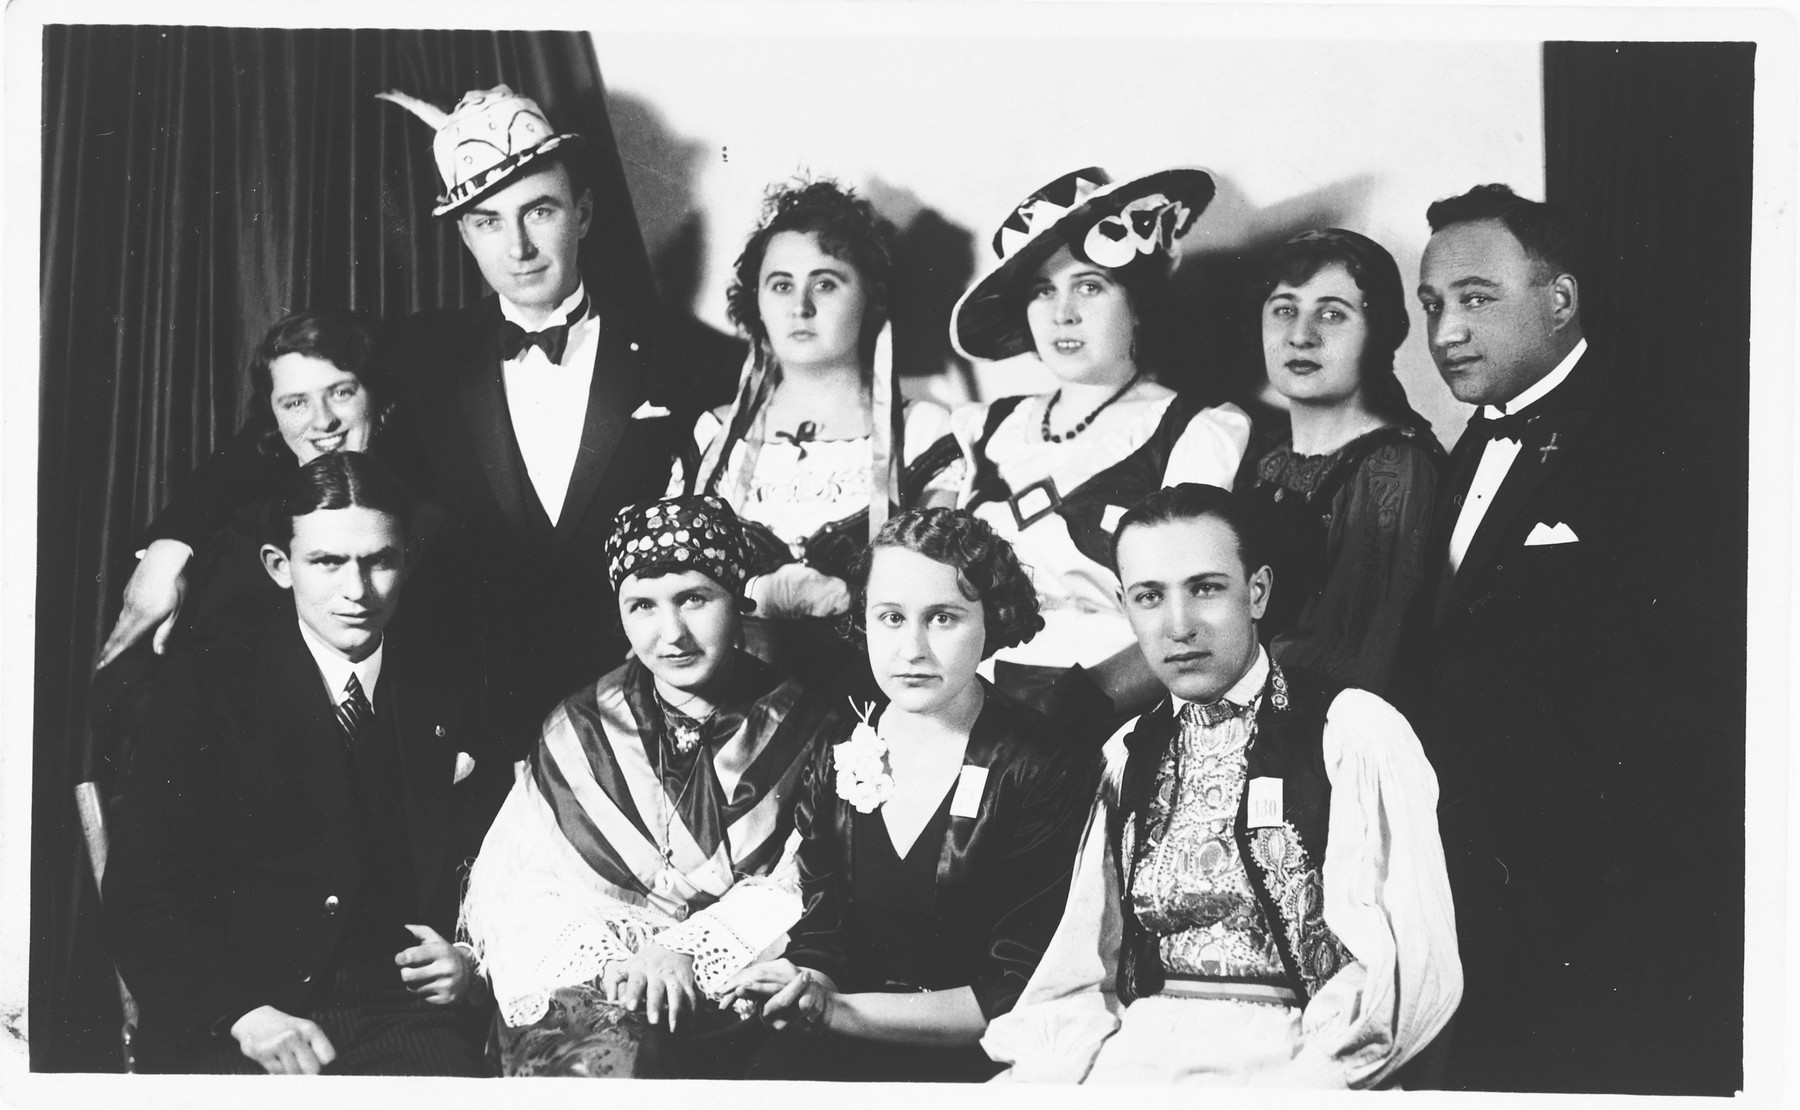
point(293, 819)
point(546, 407)
point(1575, 798)
point(1260, 898)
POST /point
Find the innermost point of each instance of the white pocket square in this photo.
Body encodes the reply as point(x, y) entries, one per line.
point(649, 411)
point(465, 766)
point(1546, 534)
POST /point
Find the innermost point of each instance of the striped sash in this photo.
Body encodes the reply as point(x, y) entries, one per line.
point(725, 810)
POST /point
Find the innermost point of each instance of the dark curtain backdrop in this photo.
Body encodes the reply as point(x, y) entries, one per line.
point(1649, 146)
point(198, 183)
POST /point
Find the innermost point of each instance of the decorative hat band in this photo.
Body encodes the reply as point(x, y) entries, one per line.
point(681, 533)
point(1145, 225)
point(489, 136)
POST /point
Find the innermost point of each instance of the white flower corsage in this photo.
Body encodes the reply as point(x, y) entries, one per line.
point(863, 777)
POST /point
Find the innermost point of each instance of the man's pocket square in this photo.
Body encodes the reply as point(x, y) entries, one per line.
point(1546, 534)
point(649, 411)
point(465, 766)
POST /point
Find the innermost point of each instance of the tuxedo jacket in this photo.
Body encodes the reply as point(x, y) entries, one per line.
point(234, 854)
point(548, 616)
point(1576, 777)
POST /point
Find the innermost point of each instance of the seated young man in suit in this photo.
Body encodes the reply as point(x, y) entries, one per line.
point(1260, 897)
point(291, 821)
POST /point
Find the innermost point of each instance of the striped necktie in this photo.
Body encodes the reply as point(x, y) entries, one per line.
point(354, 713)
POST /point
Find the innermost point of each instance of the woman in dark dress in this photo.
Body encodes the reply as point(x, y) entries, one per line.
point(936, 844)
point(1350, 489)
point(200, 576)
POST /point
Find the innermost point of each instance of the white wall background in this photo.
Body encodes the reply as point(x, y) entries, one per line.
point(966, 115)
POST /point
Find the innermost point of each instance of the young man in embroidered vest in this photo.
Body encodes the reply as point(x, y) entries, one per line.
point(1260, 895)
point(291, 821)
point(1560, 696)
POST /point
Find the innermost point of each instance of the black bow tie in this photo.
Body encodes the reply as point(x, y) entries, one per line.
point(1511, 426)
point(553, 340)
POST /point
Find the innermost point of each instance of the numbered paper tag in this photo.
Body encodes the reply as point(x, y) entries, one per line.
point(1265, 803)
point(967, 802)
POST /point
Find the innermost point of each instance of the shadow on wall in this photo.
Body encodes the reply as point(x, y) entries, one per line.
point(934, 262)
point(660, 170)
point(1221, 259)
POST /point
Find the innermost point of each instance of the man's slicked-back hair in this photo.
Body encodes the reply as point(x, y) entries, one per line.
point(1194, 501)
point(338, 480)
point(1543, 230)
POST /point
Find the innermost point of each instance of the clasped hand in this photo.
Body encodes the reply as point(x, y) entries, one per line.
point(656, 978)
point(797, 998)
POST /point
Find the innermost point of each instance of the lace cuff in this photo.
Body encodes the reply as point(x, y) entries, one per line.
point(726, 938)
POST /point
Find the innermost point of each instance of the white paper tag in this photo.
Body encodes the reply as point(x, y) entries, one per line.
point(1265, 803)
point(1109, 517)
point(969, 785)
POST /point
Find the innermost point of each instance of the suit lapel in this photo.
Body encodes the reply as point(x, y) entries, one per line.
point(617, 389)
point(303, 727)
point(1542, 450)
point(481, 393)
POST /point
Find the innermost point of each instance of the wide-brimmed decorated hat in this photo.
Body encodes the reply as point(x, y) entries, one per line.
point(1109, 224)
point(488, 139)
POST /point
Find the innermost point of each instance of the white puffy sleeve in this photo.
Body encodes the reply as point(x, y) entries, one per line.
point(1211, 448)
point(1071, 1005)
point(1386, 897)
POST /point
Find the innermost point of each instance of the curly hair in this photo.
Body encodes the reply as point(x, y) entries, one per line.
point(332, 336)
point(987, 569)
point(1544, 231)
point(847, 228)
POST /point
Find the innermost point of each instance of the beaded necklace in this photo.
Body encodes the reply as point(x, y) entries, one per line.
point(1087, 420)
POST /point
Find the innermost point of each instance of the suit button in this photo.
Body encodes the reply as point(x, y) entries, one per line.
point(634, 346)
point(440, 732)
point(331, 904)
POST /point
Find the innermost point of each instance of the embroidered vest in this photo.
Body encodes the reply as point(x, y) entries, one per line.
point(1282, 863)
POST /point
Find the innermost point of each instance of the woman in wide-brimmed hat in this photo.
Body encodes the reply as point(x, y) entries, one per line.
point(818, 448)
point(1083, 283)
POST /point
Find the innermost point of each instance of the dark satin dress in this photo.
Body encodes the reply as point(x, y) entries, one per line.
point(973, 903)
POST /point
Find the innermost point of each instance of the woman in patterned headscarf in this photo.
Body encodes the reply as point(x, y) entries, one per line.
point(644, 855)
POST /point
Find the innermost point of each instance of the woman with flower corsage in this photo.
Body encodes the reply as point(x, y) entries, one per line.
point(1351, 487)
point(1083, 283)
point(646, 852)
point(937, 843)
point(818, 448)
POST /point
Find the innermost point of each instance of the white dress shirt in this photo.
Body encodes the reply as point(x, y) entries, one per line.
point(548, 400)
point(1497, 458)
point(335, 670)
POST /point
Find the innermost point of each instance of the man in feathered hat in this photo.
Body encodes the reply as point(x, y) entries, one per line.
point(543, 409)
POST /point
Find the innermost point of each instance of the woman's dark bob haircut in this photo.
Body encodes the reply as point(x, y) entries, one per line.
point(336, 337)
point(986, 567)
point(1300, 259)
point(847, 228)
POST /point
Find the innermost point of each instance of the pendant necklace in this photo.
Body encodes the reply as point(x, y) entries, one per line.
point(1044, 429)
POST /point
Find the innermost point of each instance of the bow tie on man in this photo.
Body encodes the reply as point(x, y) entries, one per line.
point(553, 340)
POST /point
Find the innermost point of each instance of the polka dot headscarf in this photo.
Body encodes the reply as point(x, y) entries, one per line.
point(682, 533)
